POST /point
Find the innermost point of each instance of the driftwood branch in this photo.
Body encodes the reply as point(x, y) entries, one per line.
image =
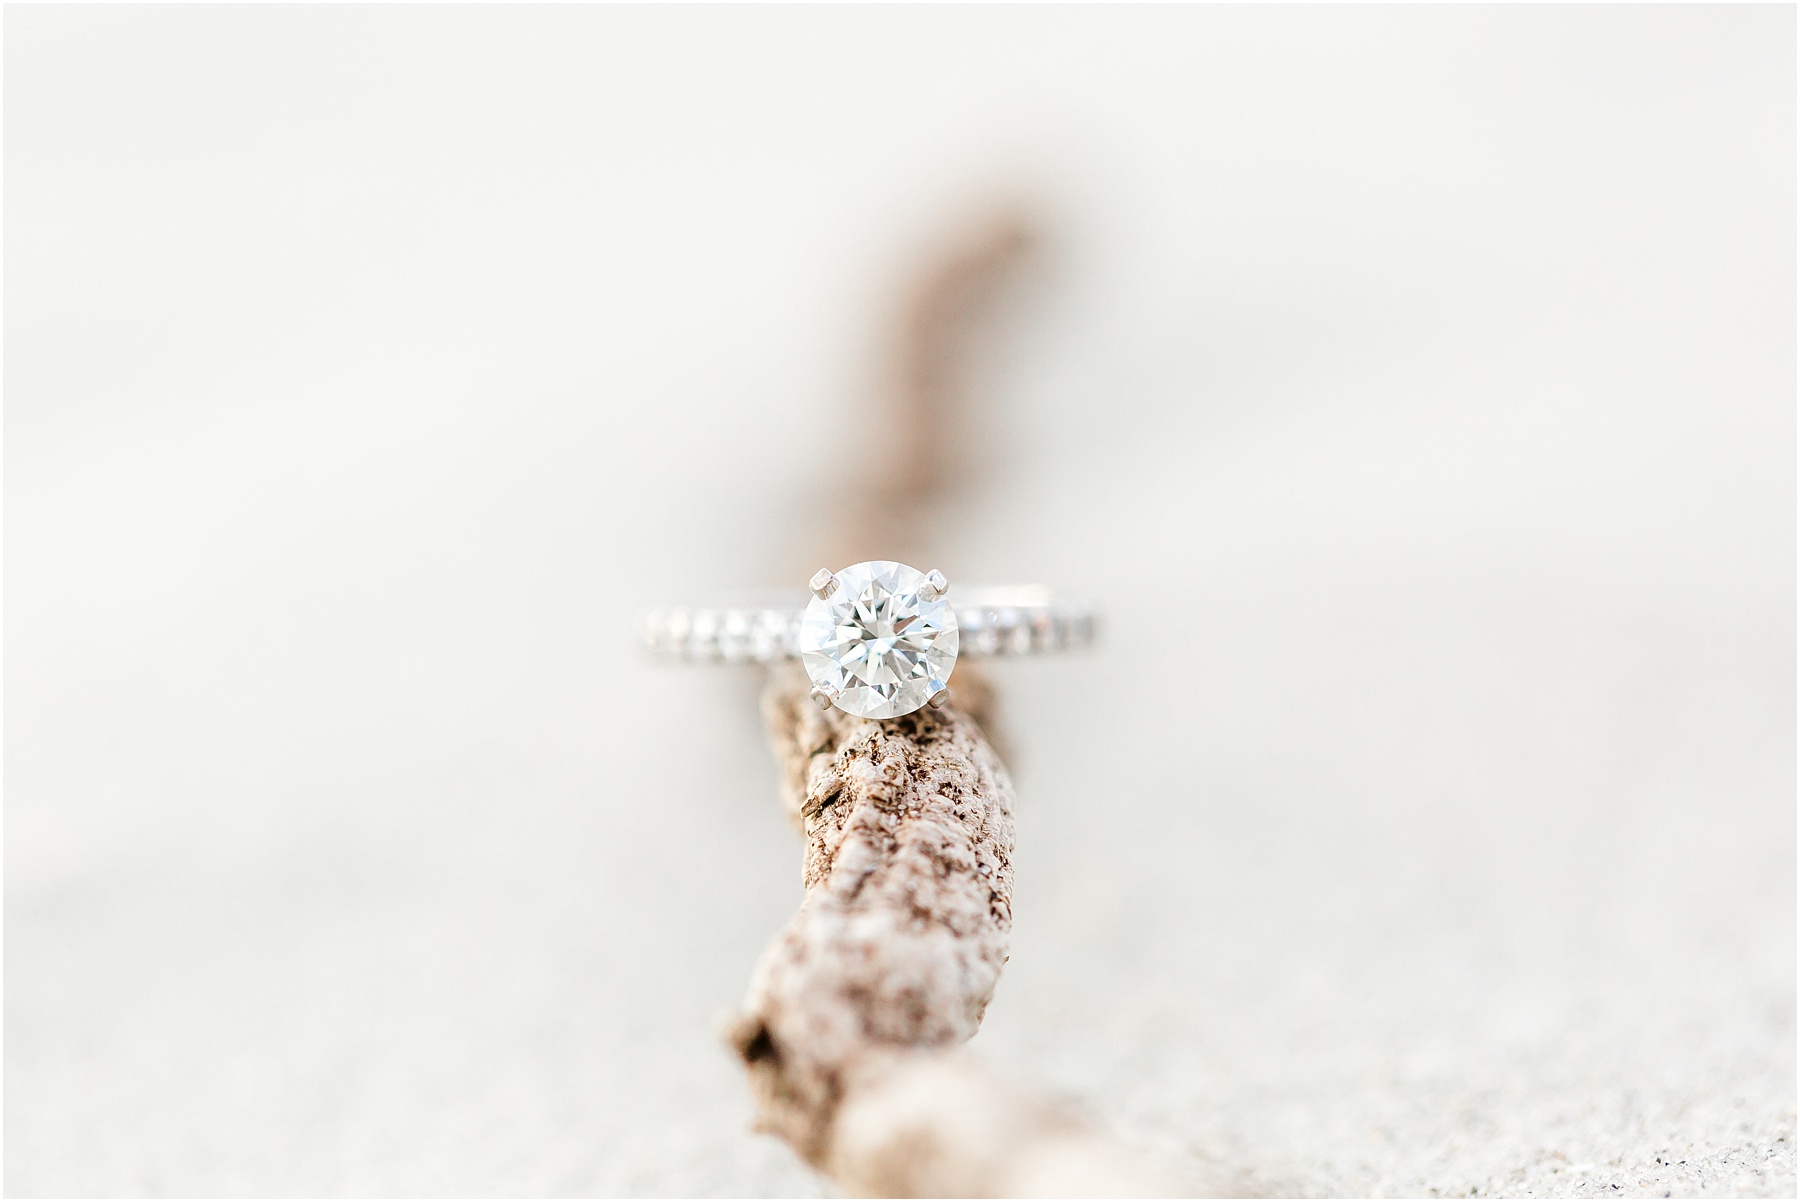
point(898, 947)
point(850, 1029)
point(853, 1025)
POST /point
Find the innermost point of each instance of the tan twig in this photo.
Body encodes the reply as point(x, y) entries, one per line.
point(851, 1030)
point(908, 869)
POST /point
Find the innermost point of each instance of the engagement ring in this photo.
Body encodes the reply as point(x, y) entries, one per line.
point(879, 639)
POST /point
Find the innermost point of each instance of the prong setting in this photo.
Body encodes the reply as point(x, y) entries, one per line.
point(884, 640)
point(823, 583)
point(940, 699)
point(935, 586)
point(824, 696)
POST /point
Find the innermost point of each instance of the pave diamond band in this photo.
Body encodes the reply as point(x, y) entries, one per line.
point(878, 639)
point(994, 622)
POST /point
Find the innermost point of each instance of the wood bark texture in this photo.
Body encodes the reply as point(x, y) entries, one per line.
point(908, 868)
point(855, 1016)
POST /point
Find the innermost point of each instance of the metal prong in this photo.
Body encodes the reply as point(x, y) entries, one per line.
point(822, 583)
point(940, 699)
point(935, 585)
point(824, 696)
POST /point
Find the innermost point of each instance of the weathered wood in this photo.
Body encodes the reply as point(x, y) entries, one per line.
point(851, 1030)
point(908, 869)
point(853, 1016)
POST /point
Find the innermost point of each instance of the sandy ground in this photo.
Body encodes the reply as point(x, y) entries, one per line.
point(1415, 389)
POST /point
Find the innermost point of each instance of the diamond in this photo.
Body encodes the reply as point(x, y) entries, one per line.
point(877, 642)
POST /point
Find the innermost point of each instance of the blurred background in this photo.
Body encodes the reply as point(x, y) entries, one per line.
point(1413, 386)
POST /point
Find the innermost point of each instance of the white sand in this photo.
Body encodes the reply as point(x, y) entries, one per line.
point(1431, 371)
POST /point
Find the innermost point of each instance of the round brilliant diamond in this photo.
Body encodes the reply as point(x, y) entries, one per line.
point(875, 644)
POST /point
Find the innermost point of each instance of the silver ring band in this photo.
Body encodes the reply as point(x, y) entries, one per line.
point(994, 622)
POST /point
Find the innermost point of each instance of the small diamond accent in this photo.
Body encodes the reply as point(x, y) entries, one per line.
point(877, 642)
